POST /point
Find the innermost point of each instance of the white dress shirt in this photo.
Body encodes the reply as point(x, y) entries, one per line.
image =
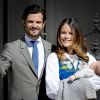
point(52, 75)
point(41, 52)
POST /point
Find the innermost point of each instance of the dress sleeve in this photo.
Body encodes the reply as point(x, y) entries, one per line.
point(52, 76)
point(91, 58)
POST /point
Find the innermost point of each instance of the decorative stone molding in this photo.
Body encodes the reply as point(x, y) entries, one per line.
point(93, 38)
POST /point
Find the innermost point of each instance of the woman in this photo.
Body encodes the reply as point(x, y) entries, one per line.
point(70, 60)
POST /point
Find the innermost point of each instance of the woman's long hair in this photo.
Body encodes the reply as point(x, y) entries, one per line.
point(78, 45)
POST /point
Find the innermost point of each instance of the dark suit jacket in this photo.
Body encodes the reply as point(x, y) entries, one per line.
point(15, 59)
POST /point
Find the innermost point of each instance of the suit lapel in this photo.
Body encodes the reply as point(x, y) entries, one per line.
point(26, 54)
point(47, 50)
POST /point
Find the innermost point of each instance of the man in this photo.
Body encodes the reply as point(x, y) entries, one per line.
point(16, 58)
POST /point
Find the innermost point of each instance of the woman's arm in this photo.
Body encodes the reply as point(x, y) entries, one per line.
point(84, 72)
point(52, 76)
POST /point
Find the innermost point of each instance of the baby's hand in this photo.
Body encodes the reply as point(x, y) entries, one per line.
point(72, 78)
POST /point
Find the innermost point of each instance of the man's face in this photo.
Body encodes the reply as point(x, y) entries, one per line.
point(34, 25)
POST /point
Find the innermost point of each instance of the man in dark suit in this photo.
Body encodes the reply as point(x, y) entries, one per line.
point(16, 58)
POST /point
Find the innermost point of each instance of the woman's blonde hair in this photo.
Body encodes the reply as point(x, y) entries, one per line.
point(78, 44)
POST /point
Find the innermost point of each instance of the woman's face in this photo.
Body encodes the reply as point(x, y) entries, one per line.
point(66, 36)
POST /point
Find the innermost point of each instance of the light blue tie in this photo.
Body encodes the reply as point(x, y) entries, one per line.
point(35, 56)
